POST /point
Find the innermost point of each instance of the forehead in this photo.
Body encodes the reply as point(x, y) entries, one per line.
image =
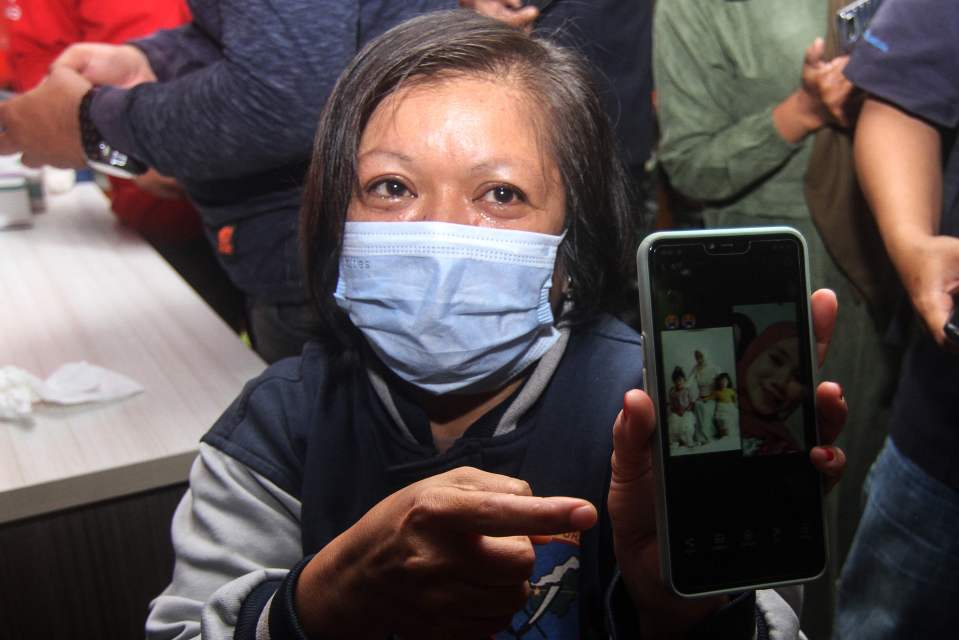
point(497, 108)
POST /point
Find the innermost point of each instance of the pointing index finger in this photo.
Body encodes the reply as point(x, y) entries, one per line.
point(501, 514)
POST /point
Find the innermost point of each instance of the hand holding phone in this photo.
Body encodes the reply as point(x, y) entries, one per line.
point(731, 372)
point(632, 494)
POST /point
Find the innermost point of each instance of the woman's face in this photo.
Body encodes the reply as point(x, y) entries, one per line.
point(772, 379)
point(464, 150)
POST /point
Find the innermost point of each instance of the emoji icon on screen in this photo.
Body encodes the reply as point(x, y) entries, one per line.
point(689, 321)
point(672, 321)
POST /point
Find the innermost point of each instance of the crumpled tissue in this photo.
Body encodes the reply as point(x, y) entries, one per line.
point(73, 383)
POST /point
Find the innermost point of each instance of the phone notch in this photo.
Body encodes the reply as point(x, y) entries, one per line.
point(731, 246)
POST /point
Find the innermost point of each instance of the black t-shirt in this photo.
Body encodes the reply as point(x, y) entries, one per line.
point(909, 57)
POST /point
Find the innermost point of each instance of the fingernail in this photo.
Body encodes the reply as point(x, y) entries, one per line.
point(830, 455)
point(582, 517)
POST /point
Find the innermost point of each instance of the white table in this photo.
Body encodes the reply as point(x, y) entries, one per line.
point(78, 286)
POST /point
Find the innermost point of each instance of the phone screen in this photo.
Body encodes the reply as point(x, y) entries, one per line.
point(737, 414)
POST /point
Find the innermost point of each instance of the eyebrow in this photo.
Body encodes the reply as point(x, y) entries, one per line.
point(480, 167)
point(495, 163)
point(402, 157)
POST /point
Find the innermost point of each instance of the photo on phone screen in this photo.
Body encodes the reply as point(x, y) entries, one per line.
point(730, 368)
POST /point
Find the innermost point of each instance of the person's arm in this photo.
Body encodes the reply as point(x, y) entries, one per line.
point(236, 535)
point(899, 163)
point(177, 51)
point(709, 154)
point(254, 108)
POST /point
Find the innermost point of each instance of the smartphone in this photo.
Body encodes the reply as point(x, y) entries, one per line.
point(852, 20)
point(730, 367)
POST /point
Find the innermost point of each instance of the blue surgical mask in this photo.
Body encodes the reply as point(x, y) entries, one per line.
point(449, 308)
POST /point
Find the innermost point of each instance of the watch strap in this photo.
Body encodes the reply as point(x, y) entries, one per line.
point(100, 155)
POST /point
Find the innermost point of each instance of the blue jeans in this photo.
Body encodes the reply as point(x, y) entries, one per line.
point(901, 579)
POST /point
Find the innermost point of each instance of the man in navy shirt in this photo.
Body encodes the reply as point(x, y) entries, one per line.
point(902, 575)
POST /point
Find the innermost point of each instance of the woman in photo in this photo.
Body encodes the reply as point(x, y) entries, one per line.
point(771, 390)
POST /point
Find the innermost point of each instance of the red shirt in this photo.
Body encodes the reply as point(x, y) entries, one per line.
point(39, 30)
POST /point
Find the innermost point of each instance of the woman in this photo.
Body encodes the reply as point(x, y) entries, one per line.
point(772, 390)
point(465, 228)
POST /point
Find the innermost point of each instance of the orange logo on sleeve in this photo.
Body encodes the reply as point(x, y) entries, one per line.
point(569, 538)
point(224, 240)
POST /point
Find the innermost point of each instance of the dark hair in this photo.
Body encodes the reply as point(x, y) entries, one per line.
point(596, 252)
point(678, 373)
point(729, 380)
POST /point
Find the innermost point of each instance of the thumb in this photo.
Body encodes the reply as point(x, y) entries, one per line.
point(814, 52)
point(76, 57)
point(632, 437)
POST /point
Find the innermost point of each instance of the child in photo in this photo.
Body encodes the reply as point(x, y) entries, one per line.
point(726, 416)
point(682, 422)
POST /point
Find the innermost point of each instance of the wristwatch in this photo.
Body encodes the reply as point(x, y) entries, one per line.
point(100, 155)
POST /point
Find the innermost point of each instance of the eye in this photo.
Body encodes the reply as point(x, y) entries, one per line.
point(389, 188)
point(504, 194)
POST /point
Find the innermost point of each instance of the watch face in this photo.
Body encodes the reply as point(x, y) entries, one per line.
point(111, 170)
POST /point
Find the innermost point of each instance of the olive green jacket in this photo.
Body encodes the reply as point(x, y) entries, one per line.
point(720, 66)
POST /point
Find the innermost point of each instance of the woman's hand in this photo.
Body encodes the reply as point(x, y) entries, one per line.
point(831, 406)
point(632, 492)
point(449, 556)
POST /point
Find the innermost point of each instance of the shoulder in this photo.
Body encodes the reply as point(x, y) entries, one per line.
point(267, 427)
point(605, 352)
point(605, 330)
point(907, 57)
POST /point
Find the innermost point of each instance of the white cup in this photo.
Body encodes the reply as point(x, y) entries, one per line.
point(14, 202)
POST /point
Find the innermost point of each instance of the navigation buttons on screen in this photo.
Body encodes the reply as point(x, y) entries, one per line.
point(720, 542)
point(776, 535)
